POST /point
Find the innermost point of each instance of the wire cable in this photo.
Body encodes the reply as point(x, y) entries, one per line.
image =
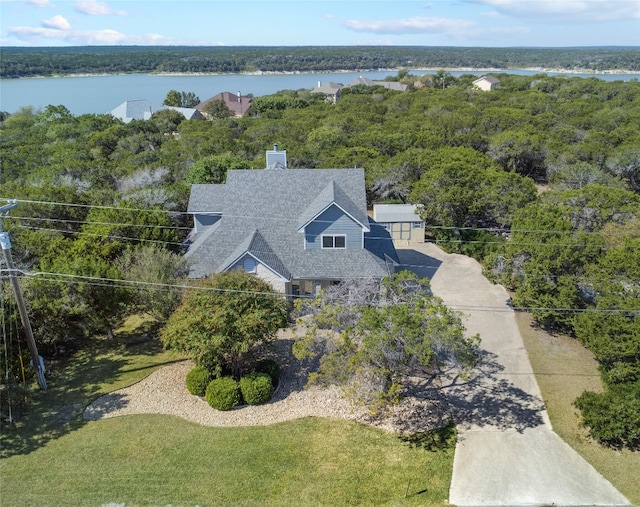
point(123, 283)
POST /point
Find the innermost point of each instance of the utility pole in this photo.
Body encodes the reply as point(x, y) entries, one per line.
point(38, 364)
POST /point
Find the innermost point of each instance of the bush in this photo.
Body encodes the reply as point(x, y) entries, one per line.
point(613, 416)
point(223, 393)
point(197, 380)
point(271, 368)
point(256, 388)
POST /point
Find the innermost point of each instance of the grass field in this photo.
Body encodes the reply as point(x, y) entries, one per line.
point(564, 369)
point(53, 457)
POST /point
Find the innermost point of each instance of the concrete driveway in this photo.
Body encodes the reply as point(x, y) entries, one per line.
point(507, 453)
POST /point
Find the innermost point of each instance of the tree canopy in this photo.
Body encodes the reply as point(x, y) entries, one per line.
point(370, 337)
point(537, 179)
point(175, 98)
point(224, 319)
point(31, 61)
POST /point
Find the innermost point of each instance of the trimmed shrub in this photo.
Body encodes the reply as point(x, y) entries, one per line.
point(223, 393)
point(256, 388)
point(271, 368)
point(197, 380)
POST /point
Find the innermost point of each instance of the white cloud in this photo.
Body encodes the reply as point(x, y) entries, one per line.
point(105, 37)
point(95, 8)
point(578, 11)
point(57, 23)
point(39, 3)
point(491, 14)
point(414, 25)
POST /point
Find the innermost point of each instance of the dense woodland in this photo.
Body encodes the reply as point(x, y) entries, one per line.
point(539, 180)
point(29, 62)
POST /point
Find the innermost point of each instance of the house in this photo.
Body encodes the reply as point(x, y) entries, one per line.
point(236, 102)
point(401, 220)
point(331, 91)
point(389, 85)
point(299, 229)
point(133, 110)
point(143, 110)
point(189, 113)
point(487, 83)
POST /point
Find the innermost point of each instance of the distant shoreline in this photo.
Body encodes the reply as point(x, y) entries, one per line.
point(540, 70)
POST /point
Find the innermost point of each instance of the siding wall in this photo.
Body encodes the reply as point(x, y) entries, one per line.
point(333, 222)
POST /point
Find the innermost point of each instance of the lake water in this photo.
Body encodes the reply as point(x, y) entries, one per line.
point(101, 94)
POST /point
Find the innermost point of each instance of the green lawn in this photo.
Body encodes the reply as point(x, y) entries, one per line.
point(53, 457)
point(564, 369)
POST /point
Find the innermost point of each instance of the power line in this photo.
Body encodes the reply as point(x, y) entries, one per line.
point(123, 283)
point(96, 206)
point(61, 231)
point(439, 227)
point(85, 222)
point(451, 241)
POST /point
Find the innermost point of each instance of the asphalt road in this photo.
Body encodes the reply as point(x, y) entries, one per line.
point(507, 453)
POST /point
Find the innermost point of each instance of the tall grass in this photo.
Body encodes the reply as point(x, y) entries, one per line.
point(564, 369)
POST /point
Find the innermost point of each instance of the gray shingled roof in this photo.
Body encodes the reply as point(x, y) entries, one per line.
point(386, 213)
point(390, 85)
point(206, 198)
point(329, 88)
point(133, 110)
point(261, 212)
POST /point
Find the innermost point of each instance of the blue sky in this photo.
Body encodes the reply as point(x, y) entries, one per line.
point(487, 23)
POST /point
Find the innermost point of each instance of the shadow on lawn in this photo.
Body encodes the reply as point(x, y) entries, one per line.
point(73, 383)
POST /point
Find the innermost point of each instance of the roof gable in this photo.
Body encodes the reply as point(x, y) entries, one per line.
point(332, 194)
point(257, 246)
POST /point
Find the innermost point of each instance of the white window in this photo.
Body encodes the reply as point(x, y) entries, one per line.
point(339, 241)
point(249, 265)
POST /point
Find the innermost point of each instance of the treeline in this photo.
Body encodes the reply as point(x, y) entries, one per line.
point(28, 62)
point(540, 180)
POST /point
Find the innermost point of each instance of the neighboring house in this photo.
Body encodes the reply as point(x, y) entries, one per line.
point(133, 110)
point(299, 229)
point(401, 220)
point(237, 103)
point(331, 91)
point(143, 110)
point(390, 85)
point(189, 113)
point(487, 83)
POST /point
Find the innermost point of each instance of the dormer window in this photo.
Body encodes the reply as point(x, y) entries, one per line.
point(249, 265)
point(336, 241)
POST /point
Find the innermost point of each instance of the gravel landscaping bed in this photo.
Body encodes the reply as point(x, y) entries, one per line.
point(165, 392)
